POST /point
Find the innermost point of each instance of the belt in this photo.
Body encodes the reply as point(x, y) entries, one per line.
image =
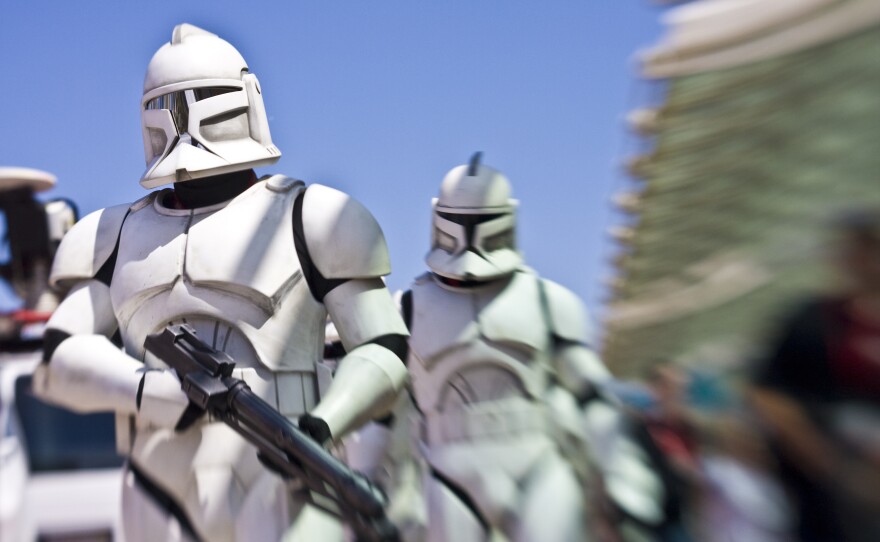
point(490, 419)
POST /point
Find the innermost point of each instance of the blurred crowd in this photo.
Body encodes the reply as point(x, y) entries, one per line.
point(789, 450)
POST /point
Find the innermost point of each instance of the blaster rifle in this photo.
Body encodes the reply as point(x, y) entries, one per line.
point(206, 378)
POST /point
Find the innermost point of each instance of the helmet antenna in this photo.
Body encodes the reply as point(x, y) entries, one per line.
point(474, 163)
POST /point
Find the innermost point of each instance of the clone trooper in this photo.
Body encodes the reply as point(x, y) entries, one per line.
point(255, 266)
point(504, 377)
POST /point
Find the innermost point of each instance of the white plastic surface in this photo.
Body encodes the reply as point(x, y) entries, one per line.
point(86, 246)
point(87, 373)
point(567, 314)
point(162, 400)
point(343, 238)
point(363, 310)
point(486, 191)
point(365, 387)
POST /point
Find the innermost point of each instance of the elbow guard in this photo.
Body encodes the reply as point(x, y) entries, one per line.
point(365, 387)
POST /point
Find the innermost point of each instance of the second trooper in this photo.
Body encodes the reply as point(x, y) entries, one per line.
point(500, 363)
point(254, 266)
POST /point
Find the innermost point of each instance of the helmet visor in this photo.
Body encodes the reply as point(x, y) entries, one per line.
point(479, 233)
point(178, 103)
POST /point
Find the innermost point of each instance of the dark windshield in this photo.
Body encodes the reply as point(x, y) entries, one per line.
point(58, 439)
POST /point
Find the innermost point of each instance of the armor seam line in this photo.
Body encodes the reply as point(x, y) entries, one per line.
point(165, 501)
point(139, 397)
point(462, 497)
point(105, 273)
point(189, 221)
point(277, 392)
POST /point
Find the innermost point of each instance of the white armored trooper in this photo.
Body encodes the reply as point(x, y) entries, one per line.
point(499, 361)
point(254, 266)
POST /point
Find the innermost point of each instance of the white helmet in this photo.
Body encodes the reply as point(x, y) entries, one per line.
point(202, 112)
point(474, 233)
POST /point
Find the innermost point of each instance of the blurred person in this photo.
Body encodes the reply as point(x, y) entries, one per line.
point(741, 497)
point(671, 427)
point(670, 422)
point(254, 266)
point(722, 473)
point(818, 394)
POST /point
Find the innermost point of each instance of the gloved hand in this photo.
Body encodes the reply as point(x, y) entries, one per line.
point(315, 428)
point(162, 403)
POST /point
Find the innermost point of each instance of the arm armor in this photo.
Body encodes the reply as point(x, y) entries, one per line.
point(83, 370)
point(578, 368)
point(372, 374)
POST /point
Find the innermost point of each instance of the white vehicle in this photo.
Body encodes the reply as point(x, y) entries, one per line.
point(60, 476)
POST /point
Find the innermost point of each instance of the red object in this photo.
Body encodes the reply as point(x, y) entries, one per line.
point(675, 438)
point(24, 316)
point(854, 352)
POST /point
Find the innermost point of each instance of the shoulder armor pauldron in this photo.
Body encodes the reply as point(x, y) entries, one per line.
point(343, 238)
point(88, 245)
point(566, 314)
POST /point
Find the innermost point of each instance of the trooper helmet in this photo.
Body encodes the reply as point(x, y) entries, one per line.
point(202, 111)
point(474, 225)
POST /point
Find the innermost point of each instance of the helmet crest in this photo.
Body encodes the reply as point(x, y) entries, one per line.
point(474, 164)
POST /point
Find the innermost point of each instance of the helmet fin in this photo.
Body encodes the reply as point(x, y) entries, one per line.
point(185, 30)
point(474, 163)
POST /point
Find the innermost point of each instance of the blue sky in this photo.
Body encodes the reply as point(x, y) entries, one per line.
point(377, 98)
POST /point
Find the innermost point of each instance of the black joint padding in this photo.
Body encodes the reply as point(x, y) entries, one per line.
point(406, 308)
point(561, 342)
point(334, 350)
point(396, 343)
point(105, 274)
point(587, 395)
point(315, 428)
point(116, 339)
point(386, 421)
point(51, 339)
point(319, 286)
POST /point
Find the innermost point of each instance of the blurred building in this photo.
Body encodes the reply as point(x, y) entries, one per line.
point(769, 125)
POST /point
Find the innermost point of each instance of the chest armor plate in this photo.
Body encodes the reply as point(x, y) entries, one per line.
point(232, 272)
point(476, 345)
